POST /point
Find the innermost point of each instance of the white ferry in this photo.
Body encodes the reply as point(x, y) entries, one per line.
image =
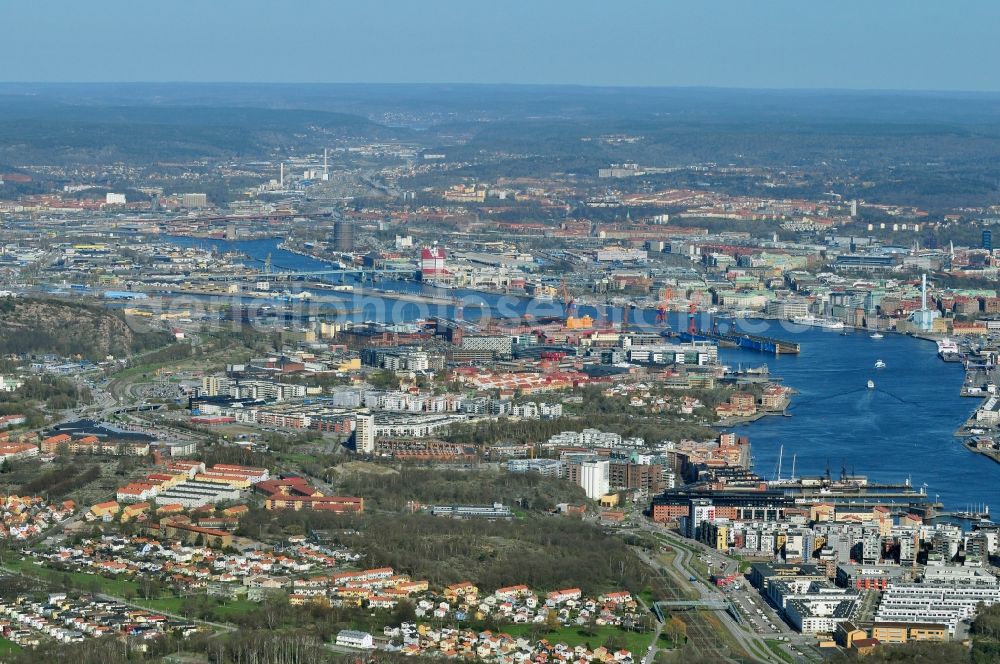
point(948, 350)
point(813, 321)
point(946, 345)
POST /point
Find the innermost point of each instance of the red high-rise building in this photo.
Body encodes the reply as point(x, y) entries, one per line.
point(432, 262)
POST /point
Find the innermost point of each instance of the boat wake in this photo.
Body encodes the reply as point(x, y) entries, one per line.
point(828, 397)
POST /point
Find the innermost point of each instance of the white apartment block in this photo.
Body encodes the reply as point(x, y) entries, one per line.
point(944, 604)
point(595, 478)
point(364, 433)
point(592, 438)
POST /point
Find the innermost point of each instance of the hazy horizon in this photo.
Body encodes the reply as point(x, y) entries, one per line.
point(723, 44)
point(511, 84)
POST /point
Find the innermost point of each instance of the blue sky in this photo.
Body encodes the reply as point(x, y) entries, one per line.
point(862, 44)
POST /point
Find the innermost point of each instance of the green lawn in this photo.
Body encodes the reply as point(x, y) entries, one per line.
point(665, 643)
point(119, 588)
point(7, 646)
point(699, 568)
point(79, 580)
point(295, 457)
point(222, 608)
point(234, 607)
point(574, 636)
point(167, 604)
point(758, 649)
point(777, 649)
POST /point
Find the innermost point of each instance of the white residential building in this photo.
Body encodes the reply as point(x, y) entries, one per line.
point(595, 478)
point(948, 595)
point(364, 433)
point(10, 383)
point(351, 638)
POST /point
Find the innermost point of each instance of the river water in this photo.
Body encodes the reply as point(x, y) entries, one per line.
point(901, 430)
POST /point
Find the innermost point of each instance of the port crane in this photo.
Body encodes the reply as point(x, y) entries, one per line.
point(569, 304)
point(663, 309)
point(606, 316)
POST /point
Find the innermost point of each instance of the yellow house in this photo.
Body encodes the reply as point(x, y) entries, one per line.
point(883, 517)
point(414, 586)
point(865, 646)
point(928, 632)
point(353, 593)
point(902, 632)
point(721, 537)
point(610, 500)
point(353, 364)
point(463, 589)
point(301, 600)
point(134, 510)
point(105, 510)
point(235, 481)
point(822, 512)
point(847, 633)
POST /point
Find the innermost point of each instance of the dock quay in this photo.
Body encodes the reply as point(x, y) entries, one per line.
point(747, 341)
point(985, 446)
point(354, 297)
point(729, 422)
point(978, 378)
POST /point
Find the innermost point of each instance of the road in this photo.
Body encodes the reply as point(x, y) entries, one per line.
point(653, 647)
point(746, 641)
point(681, 566)
point(220, 628)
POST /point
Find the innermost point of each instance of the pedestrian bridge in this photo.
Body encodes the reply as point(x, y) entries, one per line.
point(693, 605)
point(707, 604)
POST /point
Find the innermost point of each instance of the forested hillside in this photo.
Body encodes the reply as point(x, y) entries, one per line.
point(36, 326)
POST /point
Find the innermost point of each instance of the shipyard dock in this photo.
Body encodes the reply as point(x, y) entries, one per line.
point(746, 341)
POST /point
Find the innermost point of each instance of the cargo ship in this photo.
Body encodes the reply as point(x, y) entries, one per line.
point(813, 321)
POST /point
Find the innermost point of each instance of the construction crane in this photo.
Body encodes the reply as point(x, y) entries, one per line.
point(569, 305)
point(663, 310)
point(606, 315)
point(692, 326)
